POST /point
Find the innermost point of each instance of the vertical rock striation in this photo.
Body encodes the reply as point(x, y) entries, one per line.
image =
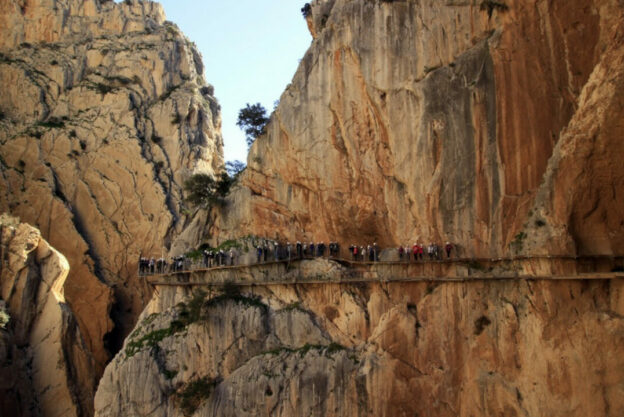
point(509, 348)
point(45, 367)
point(437, 121)
point(104, 114)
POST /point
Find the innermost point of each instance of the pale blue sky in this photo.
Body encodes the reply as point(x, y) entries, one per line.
point(250, 49)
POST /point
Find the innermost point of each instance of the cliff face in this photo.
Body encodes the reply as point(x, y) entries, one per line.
point(438, 121)
point(45, 367)
point(104, 113)
point(508, 348)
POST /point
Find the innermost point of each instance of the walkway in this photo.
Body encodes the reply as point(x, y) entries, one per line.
point(336, 270)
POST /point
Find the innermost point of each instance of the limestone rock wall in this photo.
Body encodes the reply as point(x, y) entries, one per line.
point(104, 114)
point(513, 348)
point(45, 366)
point(436, 121)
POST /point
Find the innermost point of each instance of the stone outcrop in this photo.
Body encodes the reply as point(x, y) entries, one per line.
point(441, 121)
point(104, 114)
point(45, 366)
point(508, 348)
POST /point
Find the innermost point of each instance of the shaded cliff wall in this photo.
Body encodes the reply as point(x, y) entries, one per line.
point(508, 348)
point(104, 113)
point(579, 204)
point(45, 367)
point(423, 120)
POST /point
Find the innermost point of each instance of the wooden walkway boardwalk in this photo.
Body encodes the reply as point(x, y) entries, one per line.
point(337, 270)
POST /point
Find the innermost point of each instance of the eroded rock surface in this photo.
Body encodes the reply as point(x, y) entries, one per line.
point(104, 114)
point(473, 348)
point(46, 368)
point(437, 121)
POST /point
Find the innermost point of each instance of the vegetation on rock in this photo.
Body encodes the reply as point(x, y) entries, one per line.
point(327, 350)
point(188, 313)
point(193, 394)
point(4, 318)
point(306, 10)
point(252, 119)
point(204, 190)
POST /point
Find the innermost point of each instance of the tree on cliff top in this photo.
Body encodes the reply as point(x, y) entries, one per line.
point(234, 168)
point(252, 119)
point(306, 10)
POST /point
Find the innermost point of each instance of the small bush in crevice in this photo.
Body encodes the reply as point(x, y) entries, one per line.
point(4, 318)
point(518, 243)
point(53, 123)
point(193, 394)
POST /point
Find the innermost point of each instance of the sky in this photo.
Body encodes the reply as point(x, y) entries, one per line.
point(250, 50)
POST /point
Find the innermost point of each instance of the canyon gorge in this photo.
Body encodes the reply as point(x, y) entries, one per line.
point(496, 125)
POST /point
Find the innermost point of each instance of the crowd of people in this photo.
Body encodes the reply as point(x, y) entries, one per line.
point(271, 250)
point(417, 251)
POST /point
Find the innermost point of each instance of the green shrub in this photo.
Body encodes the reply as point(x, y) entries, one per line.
point(306, 10)
point(4, 318)
point(53, 123)
point(518, 243)
point(193, 394)
point(204, 190)
point(252, 119)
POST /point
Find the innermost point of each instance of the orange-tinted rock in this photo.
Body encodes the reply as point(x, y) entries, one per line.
point(46, 368)
point(105, 113)
point(473, 348)
point(421, 120)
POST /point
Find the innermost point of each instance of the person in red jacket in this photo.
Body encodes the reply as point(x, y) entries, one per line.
point(421, 250)
point(448, 248)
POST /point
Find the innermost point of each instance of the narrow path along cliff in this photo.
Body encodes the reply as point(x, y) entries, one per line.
point(336, 270)
point(494, 125)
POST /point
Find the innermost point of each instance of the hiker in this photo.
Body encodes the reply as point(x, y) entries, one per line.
point(401, 252)
point(375, 252)
point(231, 256)
point(436, 251)
point(430, 250)
point(299, 248)
point(258, 254)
